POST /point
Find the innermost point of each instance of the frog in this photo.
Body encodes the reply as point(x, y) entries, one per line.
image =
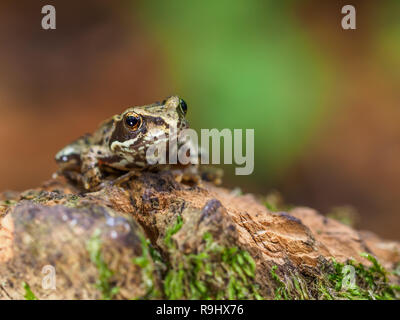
point(120, 143)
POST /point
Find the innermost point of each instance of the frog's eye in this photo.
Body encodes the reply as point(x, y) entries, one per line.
point(133, 121)
point(183, 106)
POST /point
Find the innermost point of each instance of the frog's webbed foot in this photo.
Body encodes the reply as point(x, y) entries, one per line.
point(91, 179)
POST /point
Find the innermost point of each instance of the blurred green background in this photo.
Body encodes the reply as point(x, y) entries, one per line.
point(244, 64)
point(324, 102)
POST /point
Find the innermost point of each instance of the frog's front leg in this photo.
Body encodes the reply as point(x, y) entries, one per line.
point(90, 169)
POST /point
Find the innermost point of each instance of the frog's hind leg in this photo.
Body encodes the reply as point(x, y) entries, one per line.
point(125, 177)
point(211, 174)
point(187, 175)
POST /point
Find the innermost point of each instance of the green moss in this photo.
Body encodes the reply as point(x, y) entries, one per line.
point(294, 288)
point(345, 214)
point(370, 283)
point(8, 203)
point(29, 295)
point(72, 200)
point(274, 202)
point(103, 283)
point(43, 197)
point(396, 270)
point(215, 272)
point(171, 231)
point(148, 262)
point(271, 207)
point(220, 272)
point(352, 281)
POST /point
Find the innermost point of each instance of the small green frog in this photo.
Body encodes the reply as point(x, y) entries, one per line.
point(121, 142)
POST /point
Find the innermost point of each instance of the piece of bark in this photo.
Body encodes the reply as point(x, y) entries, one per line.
point(299, 241)
point(59, 237)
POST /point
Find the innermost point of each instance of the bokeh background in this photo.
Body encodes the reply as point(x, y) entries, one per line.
point(324, 102)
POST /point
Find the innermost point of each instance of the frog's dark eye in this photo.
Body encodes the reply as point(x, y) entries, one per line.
point(133, 121)
point(183, 106)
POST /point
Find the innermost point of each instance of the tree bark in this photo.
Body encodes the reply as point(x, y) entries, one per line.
point(94, 241)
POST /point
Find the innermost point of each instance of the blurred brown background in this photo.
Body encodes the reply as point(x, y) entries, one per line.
point(325, 103)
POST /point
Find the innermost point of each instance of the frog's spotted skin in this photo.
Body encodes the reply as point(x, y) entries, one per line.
point(122, 141)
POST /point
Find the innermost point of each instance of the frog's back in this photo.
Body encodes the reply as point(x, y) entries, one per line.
point(103, 133)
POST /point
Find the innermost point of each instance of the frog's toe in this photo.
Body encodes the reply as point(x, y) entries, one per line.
point(91, 182)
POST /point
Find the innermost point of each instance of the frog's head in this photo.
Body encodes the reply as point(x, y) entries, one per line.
point(139, 127)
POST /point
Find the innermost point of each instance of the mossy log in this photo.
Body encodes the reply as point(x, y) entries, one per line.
point(154, 237)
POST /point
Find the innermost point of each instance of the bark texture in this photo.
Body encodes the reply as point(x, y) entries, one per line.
point(96, 242)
